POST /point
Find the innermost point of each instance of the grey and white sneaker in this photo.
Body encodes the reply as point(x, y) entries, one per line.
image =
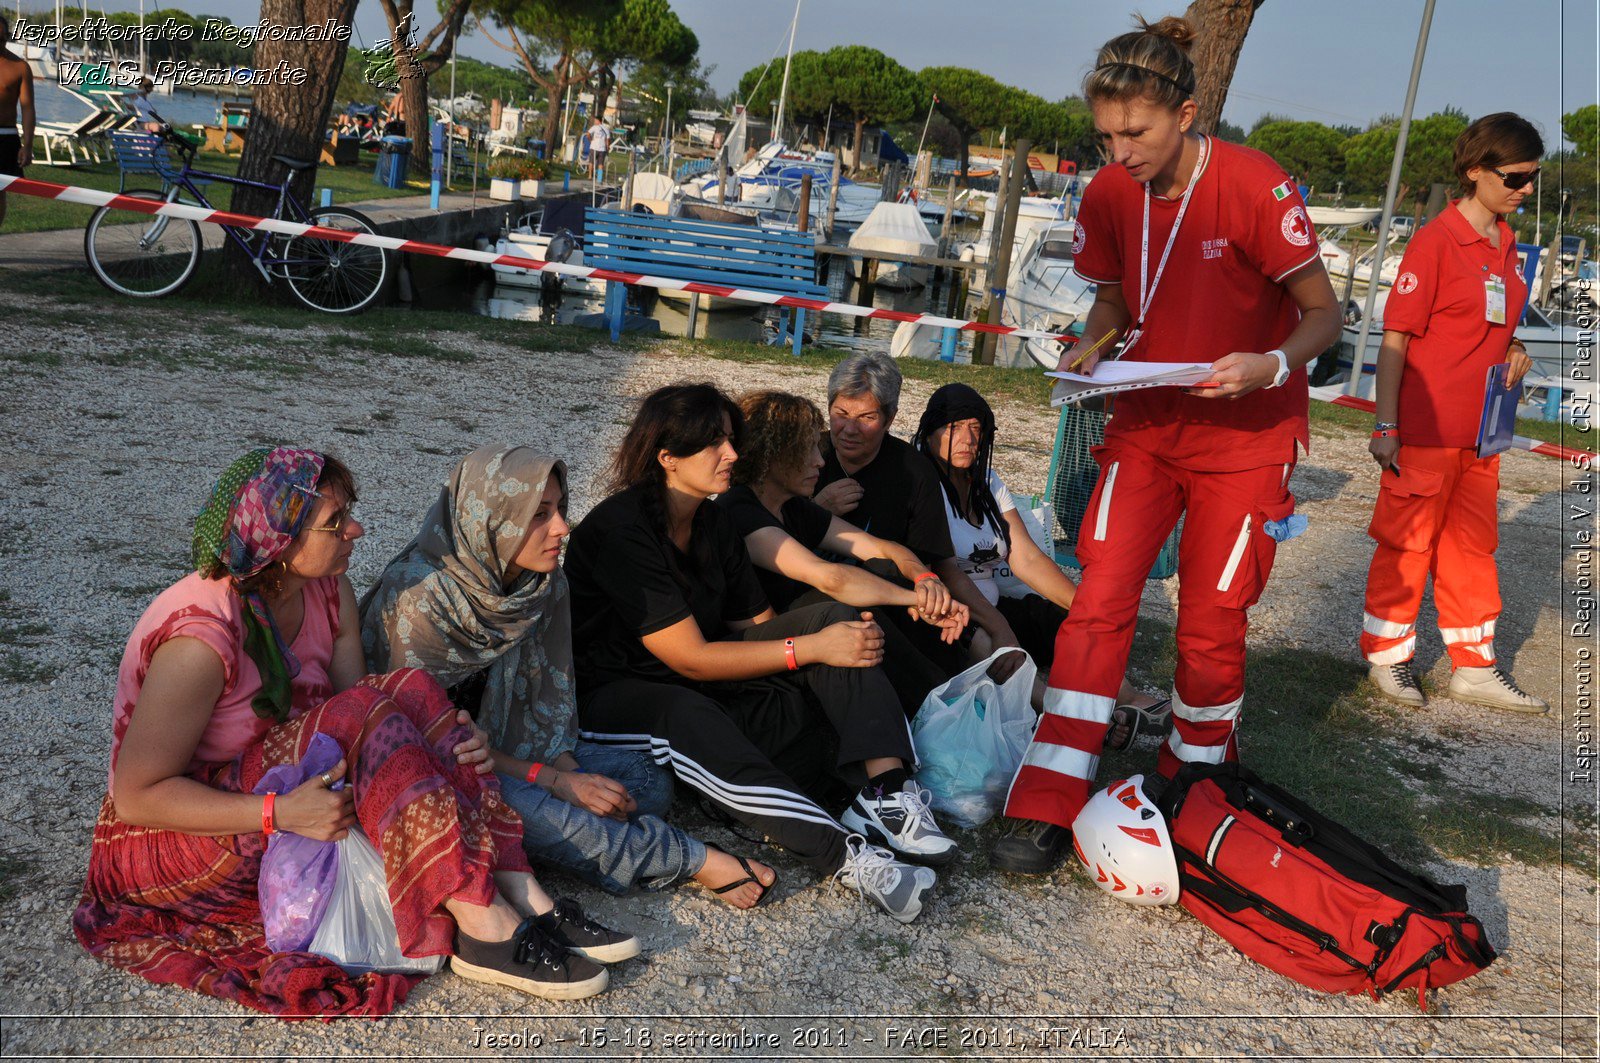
point(1395, 682)
point(901, 822)
point(1492, 687)
point(895, 887)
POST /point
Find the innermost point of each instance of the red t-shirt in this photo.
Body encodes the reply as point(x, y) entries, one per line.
point(1440, 299)
point(1222, 291)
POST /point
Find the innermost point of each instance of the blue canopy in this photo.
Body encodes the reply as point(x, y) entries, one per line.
point(888, 150)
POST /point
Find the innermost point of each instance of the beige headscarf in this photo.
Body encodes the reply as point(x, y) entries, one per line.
point(442, 604)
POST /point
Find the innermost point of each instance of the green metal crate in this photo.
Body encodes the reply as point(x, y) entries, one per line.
point(1073, 472)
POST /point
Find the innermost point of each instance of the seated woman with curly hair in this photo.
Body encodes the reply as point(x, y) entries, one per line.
point(231, 672)
point(784, 530)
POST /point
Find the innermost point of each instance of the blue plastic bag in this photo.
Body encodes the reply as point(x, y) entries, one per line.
point(297, 873)
point(971, 734)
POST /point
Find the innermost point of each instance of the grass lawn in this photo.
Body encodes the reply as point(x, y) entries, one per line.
point(210, 290)
point(350, 184)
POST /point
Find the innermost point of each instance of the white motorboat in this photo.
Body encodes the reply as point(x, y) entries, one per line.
point(527, 241)
point(895, 229)
point(1043, 293)
point(1339, 263)
point(1343, 217)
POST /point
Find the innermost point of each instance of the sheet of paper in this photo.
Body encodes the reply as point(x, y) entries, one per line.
point(1111, 378)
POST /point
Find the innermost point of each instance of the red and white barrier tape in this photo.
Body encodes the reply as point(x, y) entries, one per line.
point(1549, 450)
point(93, 198)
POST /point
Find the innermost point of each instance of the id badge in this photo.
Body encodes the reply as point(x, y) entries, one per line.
point(1494, 291)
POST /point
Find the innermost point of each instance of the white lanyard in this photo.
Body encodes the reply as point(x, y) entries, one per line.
point(1147, 297)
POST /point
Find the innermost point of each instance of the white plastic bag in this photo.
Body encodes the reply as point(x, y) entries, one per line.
point(357, 930)
point(971, 734)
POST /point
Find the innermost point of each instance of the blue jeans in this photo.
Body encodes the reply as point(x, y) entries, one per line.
point(644, 851)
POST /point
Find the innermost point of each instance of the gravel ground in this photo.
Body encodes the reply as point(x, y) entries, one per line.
point(107, 451)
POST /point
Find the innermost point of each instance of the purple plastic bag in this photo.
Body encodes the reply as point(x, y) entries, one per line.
point(297, 873)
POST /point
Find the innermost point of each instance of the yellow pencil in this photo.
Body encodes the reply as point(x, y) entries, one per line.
point(1095, 346)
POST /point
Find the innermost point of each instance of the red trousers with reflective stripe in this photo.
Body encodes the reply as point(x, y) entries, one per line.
point(1438, 517)
point(1224, 559)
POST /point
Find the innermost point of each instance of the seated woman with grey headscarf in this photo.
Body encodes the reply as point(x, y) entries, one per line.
point(479, 600)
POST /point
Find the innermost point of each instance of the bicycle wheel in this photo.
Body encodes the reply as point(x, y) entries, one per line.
point(145, 257)
point(332, 276)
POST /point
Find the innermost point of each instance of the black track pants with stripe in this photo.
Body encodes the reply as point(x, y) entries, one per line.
point(756, 747)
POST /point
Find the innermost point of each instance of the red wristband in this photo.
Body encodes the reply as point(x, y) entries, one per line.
point(788, 655)
point(269, 823)
point(1385, 433)
point(925, 575)
point(533, 772)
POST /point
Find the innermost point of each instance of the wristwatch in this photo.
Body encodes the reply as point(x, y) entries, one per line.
point(1283, 368)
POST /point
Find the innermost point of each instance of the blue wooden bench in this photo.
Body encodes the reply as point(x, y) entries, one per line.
point(139, 154)
point(712, 253)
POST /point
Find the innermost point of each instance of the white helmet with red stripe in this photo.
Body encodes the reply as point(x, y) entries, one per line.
point(1123, 842)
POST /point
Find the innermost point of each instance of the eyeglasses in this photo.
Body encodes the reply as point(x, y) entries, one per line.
point(1518, 179)
point(341, 521)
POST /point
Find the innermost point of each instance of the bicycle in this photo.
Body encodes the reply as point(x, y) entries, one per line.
point(158, 256)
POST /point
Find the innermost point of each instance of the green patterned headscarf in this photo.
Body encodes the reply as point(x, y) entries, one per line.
point(256, 509)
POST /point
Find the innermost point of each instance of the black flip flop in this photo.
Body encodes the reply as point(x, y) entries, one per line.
point(1140, 719)
point(766, 888)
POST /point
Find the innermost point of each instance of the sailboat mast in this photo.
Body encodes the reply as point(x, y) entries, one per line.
point(783, 91)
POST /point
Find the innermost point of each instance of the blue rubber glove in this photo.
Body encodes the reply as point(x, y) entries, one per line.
point(1291, 527)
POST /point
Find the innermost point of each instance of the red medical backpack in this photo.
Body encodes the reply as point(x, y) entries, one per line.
point(1296, 891)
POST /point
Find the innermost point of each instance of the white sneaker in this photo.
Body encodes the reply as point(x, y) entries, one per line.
point(1492, 687)
point(901, 822)
point(1395, 682)
point(895, 887)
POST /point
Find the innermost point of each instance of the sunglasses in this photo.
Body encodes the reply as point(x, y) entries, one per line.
point(1514, 181)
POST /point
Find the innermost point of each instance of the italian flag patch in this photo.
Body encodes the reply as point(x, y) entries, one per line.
point(1282, 192)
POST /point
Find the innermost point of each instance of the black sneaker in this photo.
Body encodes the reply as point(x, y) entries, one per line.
point(568, 927)
point(1031, 847)
point(530, 962)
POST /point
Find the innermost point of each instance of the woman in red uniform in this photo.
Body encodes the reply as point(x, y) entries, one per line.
point(1202, 252)
point(1450, 319)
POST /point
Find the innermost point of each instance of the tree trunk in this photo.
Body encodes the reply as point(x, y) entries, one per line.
point(855, 152)
point(1220, 28)
point(289, 119)
point(605, 81)
point(419, 119)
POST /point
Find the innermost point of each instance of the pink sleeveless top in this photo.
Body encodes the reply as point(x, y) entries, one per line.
point(210, 611)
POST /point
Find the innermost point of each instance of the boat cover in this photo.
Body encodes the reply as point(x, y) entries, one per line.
point(894, 229)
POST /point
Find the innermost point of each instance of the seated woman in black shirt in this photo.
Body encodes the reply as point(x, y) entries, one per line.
point(784, 530)
point(678, 652)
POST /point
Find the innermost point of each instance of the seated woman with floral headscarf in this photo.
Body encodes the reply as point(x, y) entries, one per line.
point(479, 601)
point(232, 671)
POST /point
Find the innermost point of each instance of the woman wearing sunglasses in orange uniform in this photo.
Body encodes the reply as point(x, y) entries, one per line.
point(1450, 318)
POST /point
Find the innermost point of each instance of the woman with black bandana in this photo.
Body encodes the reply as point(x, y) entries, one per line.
point(957, 433)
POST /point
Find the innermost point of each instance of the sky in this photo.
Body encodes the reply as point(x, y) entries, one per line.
point(1343, 63)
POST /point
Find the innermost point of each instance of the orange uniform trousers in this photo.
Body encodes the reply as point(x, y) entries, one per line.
point(1224, 559)
point(1437, 517)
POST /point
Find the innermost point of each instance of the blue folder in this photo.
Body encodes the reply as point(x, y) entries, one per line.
point(1499, 422)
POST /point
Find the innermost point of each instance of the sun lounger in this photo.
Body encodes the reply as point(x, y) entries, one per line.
point(72, 138)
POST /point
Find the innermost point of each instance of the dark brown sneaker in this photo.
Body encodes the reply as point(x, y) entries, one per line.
point(567, 926)
point(531, 962)
point(1031, 847)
